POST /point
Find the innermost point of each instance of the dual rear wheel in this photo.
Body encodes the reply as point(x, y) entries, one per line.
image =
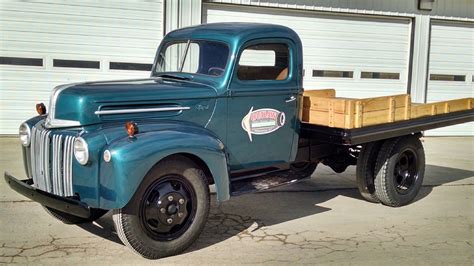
point(391, 171)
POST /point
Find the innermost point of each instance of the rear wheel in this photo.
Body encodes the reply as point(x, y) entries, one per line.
point(72, 219)
point(168, 211)
point(365, 170)
point(400, 170)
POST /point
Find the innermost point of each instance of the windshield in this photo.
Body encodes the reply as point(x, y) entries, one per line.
point(193, 56)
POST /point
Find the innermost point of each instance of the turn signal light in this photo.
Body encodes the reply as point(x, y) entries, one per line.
point(132, 128)
point(41, 108)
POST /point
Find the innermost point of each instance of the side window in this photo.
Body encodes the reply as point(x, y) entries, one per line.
point(264, 62)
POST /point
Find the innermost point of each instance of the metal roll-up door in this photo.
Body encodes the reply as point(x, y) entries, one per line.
point(47, 43)
point(451, 69)
point(359, 56)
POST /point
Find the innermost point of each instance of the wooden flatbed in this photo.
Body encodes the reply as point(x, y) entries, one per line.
point(347, 121)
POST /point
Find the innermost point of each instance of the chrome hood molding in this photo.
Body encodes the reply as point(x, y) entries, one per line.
point(51, 121)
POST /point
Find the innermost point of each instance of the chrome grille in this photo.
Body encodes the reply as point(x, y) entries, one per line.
point(51, 161)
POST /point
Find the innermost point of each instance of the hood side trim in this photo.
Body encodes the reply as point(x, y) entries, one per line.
point(140, 110)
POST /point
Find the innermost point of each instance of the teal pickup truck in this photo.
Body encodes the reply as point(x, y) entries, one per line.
point(222, 106)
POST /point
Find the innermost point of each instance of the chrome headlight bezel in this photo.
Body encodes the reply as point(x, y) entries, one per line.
point(81, 151)
point(24, 131)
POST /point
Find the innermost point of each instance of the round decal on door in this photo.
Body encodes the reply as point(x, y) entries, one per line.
point(262, 121)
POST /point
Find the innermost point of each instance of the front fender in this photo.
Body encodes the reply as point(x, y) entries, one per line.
point(133, 157)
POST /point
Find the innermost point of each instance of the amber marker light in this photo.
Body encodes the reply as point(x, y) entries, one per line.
point(132, 128)
point(41, 108)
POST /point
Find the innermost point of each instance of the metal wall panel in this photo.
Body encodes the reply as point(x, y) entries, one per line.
point(452, 9)
point(451, 55)
point(102, 31)
point(337, 43)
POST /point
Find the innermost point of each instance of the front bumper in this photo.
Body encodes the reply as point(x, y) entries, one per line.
point(67, 205)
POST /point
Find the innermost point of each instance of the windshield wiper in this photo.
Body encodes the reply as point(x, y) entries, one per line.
point(169, 76)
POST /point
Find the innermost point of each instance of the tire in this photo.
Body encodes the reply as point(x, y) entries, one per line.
point(72, 219)
point(400, 170)
point(142, 224)
point(365, 174)
point(305, 169)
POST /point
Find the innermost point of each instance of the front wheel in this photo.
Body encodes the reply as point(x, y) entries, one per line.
point(168, 211)
point(400, 170)
point(305, 169)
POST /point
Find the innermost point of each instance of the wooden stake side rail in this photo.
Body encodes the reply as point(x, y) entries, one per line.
point(322, 107)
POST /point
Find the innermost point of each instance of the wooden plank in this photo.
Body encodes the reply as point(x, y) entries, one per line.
point(382, 103)
point(381, 116)
point(326, 93)
point(391, 109)
point(358, 114)
point(322, 104)
point(407, 107)
point(349, 115)
point(355, 113)
point(322, 118)
point(331, 113)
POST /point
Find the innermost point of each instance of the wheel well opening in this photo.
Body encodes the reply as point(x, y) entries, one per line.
point(199, 162)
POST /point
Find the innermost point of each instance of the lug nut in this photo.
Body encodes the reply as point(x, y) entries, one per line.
point(159, 202)
point(169, 220)
point(170, 198)
point(162, 210)
point(180, 214)
point(181, 201)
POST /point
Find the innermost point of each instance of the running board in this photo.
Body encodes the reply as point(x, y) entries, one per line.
point(264, 182)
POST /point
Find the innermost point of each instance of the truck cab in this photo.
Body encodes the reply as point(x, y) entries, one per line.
point(257, 72)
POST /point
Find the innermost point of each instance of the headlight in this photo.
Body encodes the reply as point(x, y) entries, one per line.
point(81, 151)
point(25, 134)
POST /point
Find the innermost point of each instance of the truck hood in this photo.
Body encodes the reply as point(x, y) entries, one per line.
point(145, 99)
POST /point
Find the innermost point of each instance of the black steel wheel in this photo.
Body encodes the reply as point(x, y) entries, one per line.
point(168, 208)
point(167, 212)
point(305, 169)
point(400, 170)
point(72, 219)
point(365, 174)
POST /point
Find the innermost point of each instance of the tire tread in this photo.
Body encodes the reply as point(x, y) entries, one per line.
point(123, 226)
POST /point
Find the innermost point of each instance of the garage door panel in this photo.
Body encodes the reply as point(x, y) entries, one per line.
point(63, 19)
point(466, 129)
point(101, 31)
point(77, 39)
point(82, 30)
point(53, 77)
point(451, 57)
point(337, 43)
point(76, 49)
point(106, 9)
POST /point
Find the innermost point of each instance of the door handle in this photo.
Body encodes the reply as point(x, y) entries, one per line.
point(290, 99)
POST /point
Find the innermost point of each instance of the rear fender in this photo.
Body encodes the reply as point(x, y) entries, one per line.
point(132, 158)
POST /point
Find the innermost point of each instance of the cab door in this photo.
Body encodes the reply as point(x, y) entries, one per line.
point(262, 105)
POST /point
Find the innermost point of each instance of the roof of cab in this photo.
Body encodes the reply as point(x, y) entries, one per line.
point(234, 32)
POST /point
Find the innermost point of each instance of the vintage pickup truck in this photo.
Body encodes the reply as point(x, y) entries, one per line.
point(224, 105)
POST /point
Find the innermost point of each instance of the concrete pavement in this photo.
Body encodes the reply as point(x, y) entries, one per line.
point(321, 220)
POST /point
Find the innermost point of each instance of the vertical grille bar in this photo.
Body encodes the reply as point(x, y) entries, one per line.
point(51, 161)
point(33, 156)
point(55, 160)
point(45, 159)
point(67, 166)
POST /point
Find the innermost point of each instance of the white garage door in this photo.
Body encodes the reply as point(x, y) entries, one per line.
point(47, 43)
point(358, 56)
point(451, 69)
